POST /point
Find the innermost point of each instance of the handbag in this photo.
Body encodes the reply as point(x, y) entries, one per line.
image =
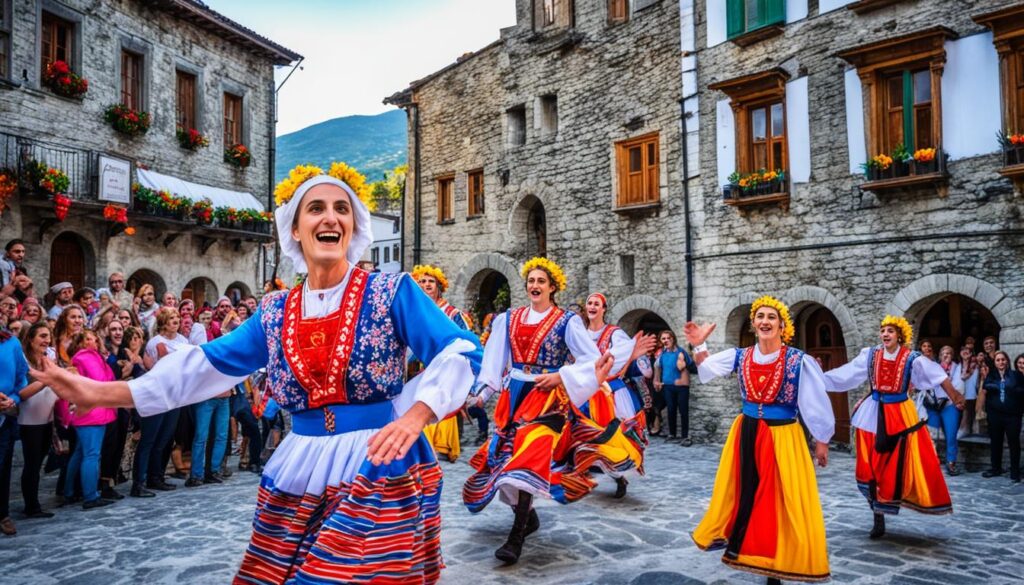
point(932, 402)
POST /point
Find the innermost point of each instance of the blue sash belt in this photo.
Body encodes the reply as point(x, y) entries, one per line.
point(769, 411)
point(533, 369)
point(888, 398)
point(344, 418)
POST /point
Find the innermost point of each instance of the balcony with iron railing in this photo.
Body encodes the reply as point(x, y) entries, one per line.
point(32, 162)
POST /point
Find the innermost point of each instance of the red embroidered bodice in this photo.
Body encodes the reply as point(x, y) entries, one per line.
point(888, 374)
point(527, 339)
point(764, 381)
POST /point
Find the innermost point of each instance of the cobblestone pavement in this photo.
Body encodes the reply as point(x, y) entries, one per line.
point(198, 535)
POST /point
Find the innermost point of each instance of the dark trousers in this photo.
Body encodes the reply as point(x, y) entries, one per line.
point(113, 448)
point(677, 399)
point(157, 432)
point(35, 444)
point(8, 435)
point(1002, 424)
point(251, 431)
point(481, 419)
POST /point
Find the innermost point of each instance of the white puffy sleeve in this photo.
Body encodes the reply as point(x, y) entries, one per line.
point(579, 378)
point(717, 365)
point(812, 400)
point(924, 373)
point(621, 350)
point(496, 356)
point(849, 375)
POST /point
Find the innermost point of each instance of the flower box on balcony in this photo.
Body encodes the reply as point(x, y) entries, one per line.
point(757, 188)
point(927, 169)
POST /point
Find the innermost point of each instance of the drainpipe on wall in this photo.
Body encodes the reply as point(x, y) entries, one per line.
point(417, 186)
point(688, 254)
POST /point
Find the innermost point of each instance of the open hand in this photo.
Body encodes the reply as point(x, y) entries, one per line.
point(547, 382)
point(77, 390)
point(394, 440)
point(643, 344)
point(697, 334)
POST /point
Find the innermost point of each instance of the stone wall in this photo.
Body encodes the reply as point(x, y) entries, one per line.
point(168, 43)
point(611, 83)
point(859, 254)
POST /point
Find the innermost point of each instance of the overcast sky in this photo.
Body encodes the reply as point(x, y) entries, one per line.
point(360, 51)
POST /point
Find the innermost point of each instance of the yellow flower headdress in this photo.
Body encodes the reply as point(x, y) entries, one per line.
point(285, 190)
point(433, 271)
point(548, 266)
point(903, 325)
point(788, 331)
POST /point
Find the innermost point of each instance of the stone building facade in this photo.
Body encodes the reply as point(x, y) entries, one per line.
point(150, 47)
point(942, 245)
point(526, 144)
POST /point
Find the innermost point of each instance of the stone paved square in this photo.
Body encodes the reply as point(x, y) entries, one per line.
point(198, 536)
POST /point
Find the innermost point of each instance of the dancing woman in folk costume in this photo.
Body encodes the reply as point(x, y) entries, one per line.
point(764, 509)
point(353, 493)
point(444, 434)
point(896, 460)
point(531, 446)
point(616, 405)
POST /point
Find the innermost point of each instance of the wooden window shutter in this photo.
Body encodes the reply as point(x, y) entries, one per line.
point(735, 18)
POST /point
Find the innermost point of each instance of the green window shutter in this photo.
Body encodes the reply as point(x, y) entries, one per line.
point(908, 110)
point(773, 12)
point(735, 20)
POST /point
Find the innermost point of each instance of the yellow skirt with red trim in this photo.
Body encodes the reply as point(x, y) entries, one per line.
point(444, 436)
point(602, 440)
point(900, 468)
point(765, 510)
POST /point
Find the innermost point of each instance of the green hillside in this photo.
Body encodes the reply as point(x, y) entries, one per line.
point(371, 144)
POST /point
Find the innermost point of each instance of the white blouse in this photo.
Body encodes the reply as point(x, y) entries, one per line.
point(811, 398)
point(187, 376)
point(579, 378)
point(621, 348)
point(924, 373)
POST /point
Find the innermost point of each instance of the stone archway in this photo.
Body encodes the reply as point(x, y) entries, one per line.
point(236, 291)
point(637, 312)
point(528, 226)
point(737, 325)
point(72, 260)
point(143, 276)
point(916, 299)
point(801, 298)
point(465, 288)
point(201, 290)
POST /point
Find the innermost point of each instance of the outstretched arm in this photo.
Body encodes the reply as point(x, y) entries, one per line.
point(848, 376)
point(697, 335)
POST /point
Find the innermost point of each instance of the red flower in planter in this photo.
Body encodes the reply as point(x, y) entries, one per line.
point(61, 204)
point(61, 67)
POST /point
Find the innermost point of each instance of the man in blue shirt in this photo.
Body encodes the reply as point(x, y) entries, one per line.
point(672, 376)
point(13, 377)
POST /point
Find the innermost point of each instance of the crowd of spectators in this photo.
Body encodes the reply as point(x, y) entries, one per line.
point(111, 333)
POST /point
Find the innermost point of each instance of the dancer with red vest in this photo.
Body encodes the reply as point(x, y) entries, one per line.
point(527, 360)
point(764, 509)
point(616, 404)
point(896, 461)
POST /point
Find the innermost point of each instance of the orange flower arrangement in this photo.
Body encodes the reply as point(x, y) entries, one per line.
point(882, 161)
point(115, 214)
point(924, 155)
point(1016, 139)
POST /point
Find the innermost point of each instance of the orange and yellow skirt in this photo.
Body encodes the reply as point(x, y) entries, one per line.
point(902, 469)
point(602, 440)
point(444, 436)
point(764, 509)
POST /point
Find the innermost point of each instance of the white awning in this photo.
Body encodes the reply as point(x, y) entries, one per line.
point(196, 192)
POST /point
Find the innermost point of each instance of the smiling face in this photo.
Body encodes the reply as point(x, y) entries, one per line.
point(17, 253)
point(324, 225)
point(32, 313)
point(666, 340)
point(890, 337)
point(205, 318)
point(429, 286)
point(115, 332)
point(946, 354)
point(989, 345)
point(42, 340)
point(148, 297)
point(1002, 362)
point(928, 350)
point(595, 308)
point(539, 286)
point(170, 300)
point(76, 321)
point(767, 324)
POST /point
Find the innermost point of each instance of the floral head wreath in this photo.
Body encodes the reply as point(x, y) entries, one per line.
point(547, 266)
point(436, 273)
point(902, 325)
point(788, 331)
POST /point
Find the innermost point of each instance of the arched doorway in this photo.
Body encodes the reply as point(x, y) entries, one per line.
point(68, 262)
point(950, 319)
point(819, 334)
point(146, 276)
point(200, 290)
point(529, 221)
point(488, 292)
point(738, 329)
point(237, 291)
point(644, 320)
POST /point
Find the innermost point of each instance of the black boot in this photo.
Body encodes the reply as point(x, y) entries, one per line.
point(513, 547)
point(532, 523)
point(878, 530)
point(620, 488)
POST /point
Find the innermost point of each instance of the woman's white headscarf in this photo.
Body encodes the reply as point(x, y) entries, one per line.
point(362, 234)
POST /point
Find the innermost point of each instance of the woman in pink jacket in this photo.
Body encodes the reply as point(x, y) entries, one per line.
point(89, 427)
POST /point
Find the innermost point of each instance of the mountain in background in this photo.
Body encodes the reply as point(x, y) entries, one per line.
point(371, 144)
